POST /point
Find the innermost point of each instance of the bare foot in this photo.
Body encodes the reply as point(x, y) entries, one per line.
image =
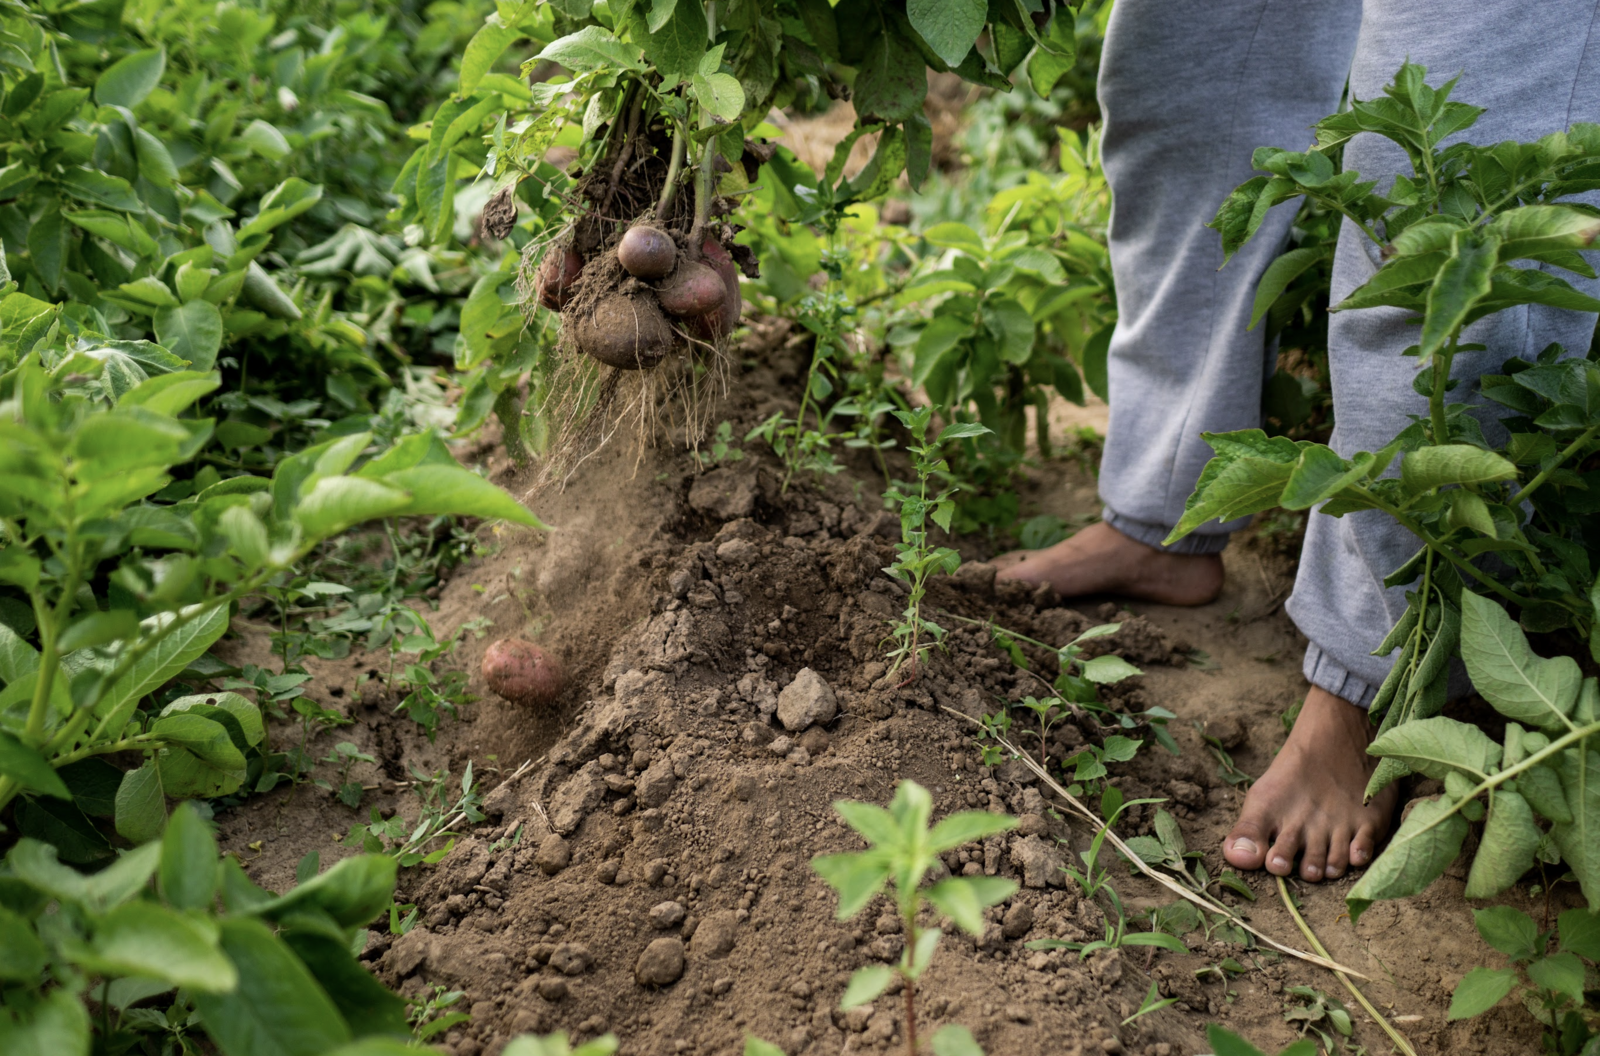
point(1309, 802)
point(1101, 560)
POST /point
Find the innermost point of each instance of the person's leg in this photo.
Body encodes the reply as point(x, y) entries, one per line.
point(1188, 89)
point(1537, 69)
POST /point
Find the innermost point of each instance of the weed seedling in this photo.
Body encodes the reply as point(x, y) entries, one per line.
point(438, 818)
point(429, 1015)
point(1317, 1013)
point(1553, 985)
point(916, 560)
point(902, 850)
point(1153, 1002)
point(344, 756)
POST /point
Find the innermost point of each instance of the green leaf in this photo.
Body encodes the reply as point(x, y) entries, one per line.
point(1154, 938)
point(246, 713)
point(144, 939)
point(366, 1005)
point(962, 431)
point(352, 892)
point(592, 48)
point(1320, 475)
point(206, 739)
point(892, 80)
point(1279, 274)
point(278, 1008)
point(964, 898)
point(1527, 688)
point(1508, 930)
point(339, 502)
point(1056, 57)
point(486, 45)
point(678, 45)
point(170, 655)
point(876, 825)
point(1226, 1043)
point(1428, 841)
point(29, 769)
point(141, 808)
point(1109, 669)
point(965, 827)
point(1560, 972)
point(265, 139)
point(1480, 990)
point(129, 80)
point(952, 1039)
point(856, 877)
point(1541, 229)
point(1437, 746)
point(865, 985)
point(111, 191)
point(26, 956)
point(1579, 931)
point(56, 1025)
point(193, 331)
point(188, 871)
point(1580, 840)
point(950, 27)
point(1510, 841)
point(1446, 464)
point(1461, 284)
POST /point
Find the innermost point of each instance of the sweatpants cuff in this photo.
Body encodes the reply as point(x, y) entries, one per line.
point(1325, 672)
point(1152, 534)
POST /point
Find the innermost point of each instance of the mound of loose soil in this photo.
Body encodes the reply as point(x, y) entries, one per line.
point(649, 874)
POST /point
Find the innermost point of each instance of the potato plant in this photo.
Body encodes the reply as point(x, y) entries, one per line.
point(1452, 231)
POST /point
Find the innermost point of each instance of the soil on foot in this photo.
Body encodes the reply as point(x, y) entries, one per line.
point(1101, 560)
point(1310, 803)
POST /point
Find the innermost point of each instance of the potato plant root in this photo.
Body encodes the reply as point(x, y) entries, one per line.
point(671, 800)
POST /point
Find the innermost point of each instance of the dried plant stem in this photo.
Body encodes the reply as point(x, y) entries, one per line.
point(1311, 937)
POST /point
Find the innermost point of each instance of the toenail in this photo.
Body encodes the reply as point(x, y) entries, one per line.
point(1245, 844)
point(1358, 857)
point(1281, 863)
point(1330, 872)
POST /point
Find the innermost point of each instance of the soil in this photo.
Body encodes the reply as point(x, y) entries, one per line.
point(648, 874)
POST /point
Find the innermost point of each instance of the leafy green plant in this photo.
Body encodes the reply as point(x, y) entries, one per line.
point(901, 850)
point(1310, 1011)
point(1553, 985)
point(915, 560)
point(429, 1015)
point(1226, 1043)
point(440, 812)
point(557, 1045)
point(124, 592)
point(265, 969)
point(1450, 232)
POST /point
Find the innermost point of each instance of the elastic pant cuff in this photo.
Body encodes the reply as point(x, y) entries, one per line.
point(1325, 672)
point(1152, 534)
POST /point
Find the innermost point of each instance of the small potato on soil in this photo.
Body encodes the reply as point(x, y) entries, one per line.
point(715, 325)
point(624, 330)
point(521, 672)
point(557, 277)
point(693, 290)
point(646, 252)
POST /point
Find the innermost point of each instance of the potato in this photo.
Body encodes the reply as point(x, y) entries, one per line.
point(694, 289)
point(719, 323)
point(647, 252)
point(624, 330)
point(522, 673)
point(557, 275)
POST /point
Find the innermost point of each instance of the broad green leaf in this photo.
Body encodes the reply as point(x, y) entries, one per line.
point(1154, 938)
point(25, 956)
point(1579, 931)
point(247, 714)
point(1446, 464)
point(29, 769)
point(486, 45)
point(129, 80)
point(675, 42)
point(1320, 475)
point(1561, 972)
point(1402, 282)
point(941, 335)
point(171, 393)
point(1461, 283)
point(856, 877)
point(1541, 787)
point(1529, 689)
point(875, 824)
point(246, 535)
point(892, 79)
point(950, 27)
point(57, 1025)
point(366, 1004)
point(1510, 841)
point(1109, 669)
point(352, 892)
point(1541, 229)
point(337, 503)
point(1236, 487)
point(1480, 990)
point(962, 431)
point(192, 331)
point(169, 656)
point(865, 985)
point(144, 939)
point(592, 48)
point(1056, 57)
point(952, 234)
point(965, 827)
point(265, 139)
point(141, 808)
point(437, 489)
point(964, 898)
point(953, 1039)
point(1427, 842)
point(188, 871)
point(719, 94)
point(1438, 746)
point(1580, 840)
point(278, 1009)
point(1508, 930)
point(1279, 274)
point(206, 739)
point(1226, 1043)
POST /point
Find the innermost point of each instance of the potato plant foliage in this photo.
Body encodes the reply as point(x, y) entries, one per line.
point(1453, 232)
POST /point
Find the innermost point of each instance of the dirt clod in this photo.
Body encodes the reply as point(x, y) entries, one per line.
point(661, 963)
point(554, 854)
point(806, 701)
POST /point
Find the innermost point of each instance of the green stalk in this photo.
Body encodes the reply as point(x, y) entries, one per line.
point(674, 169)
point(1461, 564)
point(1537, 482)
point(1441, 378)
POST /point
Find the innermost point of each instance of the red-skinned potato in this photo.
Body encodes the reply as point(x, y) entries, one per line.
point(557, 275)
point(719, 323)
point(522, 673)
point(646, 252)
point(694, 289)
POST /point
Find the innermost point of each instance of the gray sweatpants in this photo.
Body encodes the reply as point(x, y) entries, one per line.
point(1189, 88)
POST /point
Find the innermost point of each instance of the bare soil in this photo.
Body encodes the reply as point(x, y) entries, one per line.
point(666, 801)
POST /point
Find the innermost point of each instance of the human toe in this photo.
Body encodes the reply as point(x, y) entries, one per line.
point(1338, 853)
point(1244, 847)
point(1314, 857)
point(1285, 849)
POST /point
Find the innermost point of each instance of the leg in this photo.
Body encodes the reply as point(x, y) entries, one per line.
point(1189, 89)
point(1535, 69)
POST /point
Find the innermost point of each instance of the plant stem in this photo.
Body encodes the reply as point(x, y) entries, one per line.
point(674, 170)
point(911, 1017)
point(1463, 565)
point(1537, 482)
point(703, 185)
point(1441, 378)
